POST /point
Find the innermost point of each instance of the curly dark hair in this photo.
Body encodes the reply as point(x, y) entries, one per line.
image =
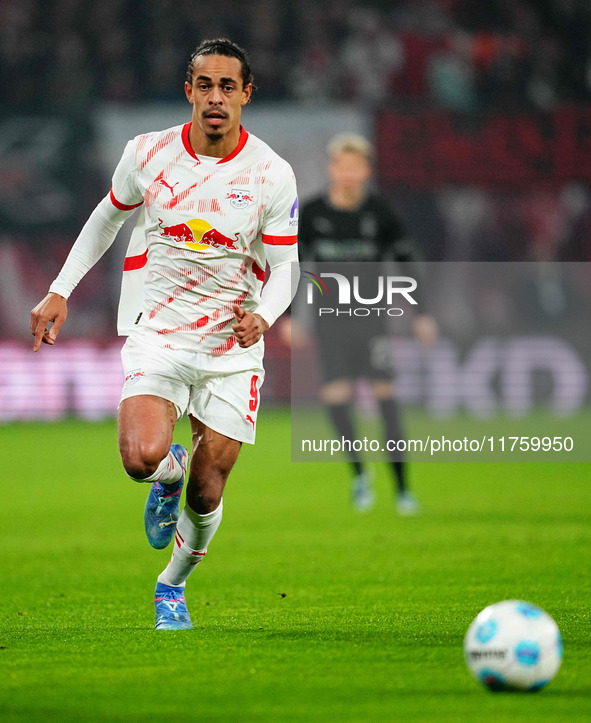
point(222, 46)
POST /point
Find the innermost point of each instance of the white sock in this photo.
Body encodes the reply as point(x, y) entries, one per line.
point(168, 471)
point(193, 534)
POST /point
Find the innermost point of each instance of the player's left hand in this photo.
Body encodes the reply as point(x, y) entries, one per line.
point(426, 330)
point(249, 328)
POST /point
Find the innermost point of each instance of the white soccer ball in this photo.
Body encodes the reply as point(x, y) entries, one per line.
point(513, 645)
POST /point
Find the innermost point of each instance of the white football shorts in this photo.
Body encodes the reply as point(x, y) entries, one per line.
point(223, 393)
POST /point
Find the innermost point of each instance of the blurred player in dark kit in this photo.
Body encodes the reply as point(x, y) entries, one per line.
point(349, 223)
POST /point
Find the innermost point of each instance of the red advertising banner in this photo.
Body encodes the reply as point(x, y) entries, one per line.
point(433, 148)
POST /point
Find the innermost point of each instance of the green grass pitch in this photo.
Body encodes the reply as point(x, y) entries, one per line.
point(303, 609)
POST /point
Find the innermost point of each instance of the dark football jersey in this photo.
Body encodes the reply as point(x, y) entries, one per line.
point(371, 232)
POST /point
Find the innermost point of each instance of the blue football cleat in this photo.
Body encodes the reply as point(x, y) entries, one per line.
point(163, 505)
point(171, 608)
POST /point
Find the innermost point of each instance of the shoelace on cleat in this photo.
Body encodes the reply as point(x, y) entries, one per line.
point(168, 523)
point(172, 603)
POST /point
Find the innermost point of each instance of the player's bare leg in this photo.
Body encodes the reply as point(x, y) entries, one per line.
point(146, 425)
point(213, 457)
point(339, 391)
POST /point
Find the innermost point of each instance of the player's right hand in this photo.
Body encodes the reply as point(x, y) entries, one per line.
point(54, 309)
point(292, 333)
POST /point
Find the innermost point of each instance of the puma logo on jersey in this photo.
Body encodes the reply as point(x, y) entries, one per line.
point(170, 188)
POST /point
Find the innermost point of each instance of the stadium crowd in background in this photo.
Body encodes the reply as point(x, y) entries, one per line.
point(460, 59)
point(460, 54)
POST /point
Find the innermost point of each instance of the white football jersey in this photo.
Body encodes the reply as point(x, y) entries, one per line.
point(198, 247)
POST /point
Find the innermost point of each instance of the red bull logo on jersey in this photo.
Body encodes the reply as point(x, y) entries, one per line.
point(240, 198)
point(198, 235)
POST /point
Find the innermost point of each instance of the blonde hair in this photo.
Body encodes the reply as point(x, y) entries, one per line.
point(350, 143)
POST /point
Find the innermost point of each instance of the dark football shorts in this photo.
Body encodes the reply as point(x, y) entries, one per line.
point(354, 351)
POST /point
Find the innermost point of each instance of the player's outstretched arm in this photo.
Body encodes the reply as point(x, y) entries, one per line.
point(249, 328)
point(52, 310)
point(95, 238)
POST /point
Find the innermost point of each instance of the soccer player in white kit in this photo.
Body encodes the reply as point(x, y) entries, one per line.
point(217, 204)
